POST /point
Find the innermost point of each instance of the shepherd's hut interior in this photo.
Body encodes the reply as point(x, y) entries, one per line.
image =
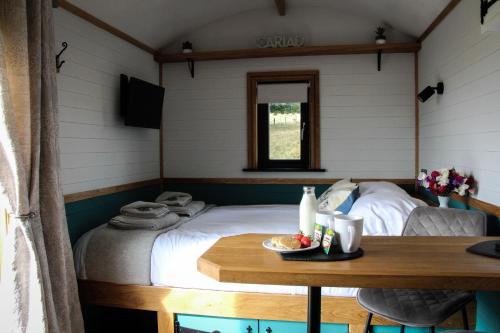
point(265, 166)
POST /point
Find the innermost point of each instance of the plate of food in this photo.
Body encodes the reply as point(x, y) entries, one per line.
point(290, 243)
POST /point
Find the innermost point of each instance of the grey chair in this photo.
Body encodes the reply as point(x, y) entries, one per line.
point(418, 307)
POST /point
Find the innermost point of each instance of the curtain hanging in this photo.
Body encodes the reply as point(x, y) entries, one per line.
point(38, 289)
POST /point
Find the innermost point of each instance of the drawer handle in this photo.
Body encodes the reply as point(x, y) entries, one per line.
point(268, 330)
point(249, 329)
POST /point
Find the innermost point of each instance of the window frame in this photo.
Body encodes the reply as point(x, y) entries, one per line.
point(312, 133)
point(263, 141)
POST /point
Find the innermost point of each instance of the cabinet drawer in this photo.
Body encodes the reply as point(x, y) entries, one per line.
point(223, 325)
point(273, 326)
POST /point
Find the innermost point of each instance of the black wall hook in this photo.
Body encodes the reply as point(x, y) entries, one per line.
point(190, 63)
point(59, 63)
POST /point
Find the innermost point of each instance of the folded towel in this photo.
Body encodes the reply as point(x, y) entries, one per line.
point(190, 210)
point(129, 222)
point(169, 198)
point(144, 209)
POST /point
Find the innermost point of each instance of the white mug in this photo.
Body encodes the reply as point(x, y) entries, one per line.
point(326, 217)
point(349, 229)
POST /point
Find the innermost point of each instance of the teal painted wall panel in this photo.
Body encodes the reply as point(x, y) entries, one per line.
point(250, 194)
point(488, 311)
point(86, 214)
point(223, 325)
point(247, 194)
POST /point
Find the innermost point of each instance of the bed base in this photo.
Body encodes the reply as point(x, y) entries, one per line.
point(169, 301)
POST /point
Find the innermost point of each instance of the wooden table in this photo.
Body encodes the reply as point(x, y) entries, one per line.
point(389, 262)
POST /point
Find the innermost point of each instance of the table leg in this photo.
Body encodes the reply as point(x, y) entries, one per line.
point(313, 309)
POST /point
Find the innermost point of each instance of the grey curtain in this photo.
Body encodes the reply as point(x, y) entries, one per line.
point(38, 289)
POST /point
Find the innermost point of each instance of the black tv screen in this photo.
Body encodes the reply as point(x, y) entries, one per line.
point(141, 102)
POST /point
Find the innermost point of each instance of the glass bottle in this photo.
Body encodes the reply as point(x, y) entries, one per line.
point(307, 211)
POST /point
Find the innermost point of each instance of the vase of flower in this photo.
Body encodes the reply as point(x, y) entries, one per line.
point(443, 182)
point(443, 201)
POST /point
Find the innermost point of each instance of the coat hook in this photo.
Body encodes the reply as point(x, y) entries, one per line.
point(59, 63)
point(190, 63)
point(379, 59)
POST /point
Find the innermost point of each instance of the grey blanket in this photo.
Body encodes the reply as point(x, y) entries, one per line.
point(119, 256)
point(129, 222)
point(144, 209)
point(116, 255)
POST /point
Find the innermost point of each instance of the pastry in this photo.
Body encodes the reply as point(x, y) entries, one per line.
point(286, 242)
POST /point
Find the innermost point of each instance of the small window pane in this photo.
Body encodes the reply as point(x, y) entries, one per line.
point(284, 131)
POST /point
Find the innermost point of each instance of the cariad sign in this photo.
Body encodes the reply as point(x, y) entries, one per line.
point(279, 41)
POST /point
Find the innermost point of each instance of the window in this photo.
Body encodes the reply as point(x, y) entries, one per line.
point(283, 121)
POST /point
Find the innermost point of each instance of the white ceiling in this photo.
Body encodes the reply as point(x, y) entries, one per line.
point(158, 23)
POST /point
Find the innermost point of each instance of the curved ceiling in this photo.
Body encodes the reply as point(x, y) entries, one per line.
point(158, 23)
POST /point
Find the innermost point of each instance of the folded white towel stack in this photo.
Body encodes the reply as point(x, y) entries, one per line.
point(190, 210)
point(179, 199)
point(144, 209)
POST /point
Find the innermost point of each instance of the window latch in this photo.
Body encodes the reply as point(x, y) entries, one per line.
point(302, 131)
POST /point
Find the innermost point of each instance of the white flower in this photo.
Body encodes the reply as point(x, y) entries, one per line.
point(422, 177)
point(443, 178)
point(461, 189)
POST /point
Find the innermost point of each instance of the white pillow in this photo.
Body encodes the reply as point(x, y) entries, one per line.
point(385, 211)
point(340, 196)
point(376, 187)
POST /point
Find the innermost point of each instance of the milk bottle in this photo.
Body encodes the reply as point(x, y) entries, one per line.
point(307, 215)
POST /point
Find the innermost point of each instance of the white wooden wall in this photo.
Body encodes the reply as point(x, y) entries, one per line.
point(462, 127)
point(367, 117)
point(97, 150)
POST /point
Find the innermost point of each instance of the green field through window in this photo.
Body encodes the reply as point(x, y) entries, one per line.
point(284, 131)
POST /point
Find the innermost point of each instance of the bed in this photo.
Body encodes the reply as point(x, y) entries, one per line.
point(163, 277)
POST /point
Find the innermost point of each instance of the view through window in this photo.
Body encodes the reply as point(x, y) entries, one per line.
point(284, 131)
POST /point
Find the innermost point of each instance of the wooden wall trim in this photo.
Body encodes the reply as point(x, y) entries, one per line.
point(277, 181)
point(160, 83)
point(108, 190)
point(417, 119)
point(290, 52)
point(447, 10)
point(103, 25)
point(486, 207)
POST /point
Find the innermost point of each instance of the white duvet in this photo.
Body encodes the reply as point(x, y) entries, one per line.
point(174, 257)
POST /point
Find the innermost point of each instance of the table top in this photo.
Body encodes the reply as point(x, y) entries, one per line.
point(388, 262)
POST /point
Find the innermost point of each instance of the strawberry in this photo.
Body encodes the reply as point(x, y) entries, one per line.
point(298, 236)
point(305, 242)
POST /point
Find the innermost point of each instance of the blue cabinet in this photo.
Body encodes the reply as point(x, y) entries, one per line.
point(273, 326)
point(223, 325)
point(240, 325)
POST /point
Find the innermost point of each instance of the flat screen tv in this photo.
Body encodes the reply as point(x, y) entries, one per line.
point(141, 102)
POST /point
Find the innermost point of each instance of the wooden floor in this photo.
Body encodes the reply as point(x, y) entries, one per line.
point(170, 301)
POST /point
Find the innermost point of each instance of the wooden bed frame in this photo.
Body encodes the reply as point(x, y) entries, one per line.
point(167, 302)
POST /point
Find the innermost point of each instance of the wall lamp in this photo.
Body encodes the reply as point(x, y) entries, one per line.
point(429, 91)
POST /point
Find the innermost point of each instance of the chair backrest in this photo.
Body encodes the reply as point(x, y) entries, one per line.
point(433, 221)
